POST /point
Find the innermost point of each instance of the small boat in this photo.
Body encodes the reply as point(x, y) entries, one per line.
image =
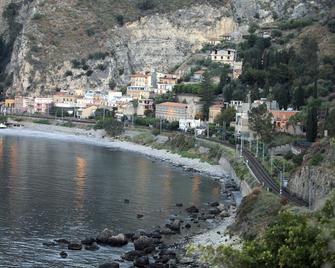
point(2, 126)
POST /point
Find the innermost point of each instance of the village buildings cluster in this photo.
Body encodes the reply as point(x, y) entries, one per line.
point(139, 100)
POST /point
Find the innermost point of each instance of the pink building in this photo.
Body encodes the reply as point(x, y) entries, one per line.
point(42, 105)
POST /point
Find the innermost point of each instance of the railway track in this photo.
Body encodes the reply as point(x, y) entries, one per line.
point(264, 177)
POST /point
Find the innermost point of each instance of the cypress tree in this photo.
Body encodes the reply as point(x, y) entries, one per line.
point(312, 124)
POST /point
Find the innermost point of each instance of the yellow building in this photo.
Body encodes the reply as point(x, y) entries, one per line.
point(9, 103)
point(214, 111)
point(87, 112)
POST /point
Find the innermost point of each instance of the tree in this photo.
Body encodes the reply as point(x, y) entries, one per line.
point(299, 97)
point(312, 124)
point(330, 123)
point(111, 126)
point(227, 116)
point(206, 93)
point(260, 121)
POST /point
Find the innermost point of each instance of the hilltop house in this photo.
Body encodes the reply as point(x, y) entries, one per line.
point(281, 119)
point(225, 56)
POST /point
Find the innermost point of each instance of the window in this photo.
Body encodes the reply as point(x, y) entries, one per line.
point(228, 52)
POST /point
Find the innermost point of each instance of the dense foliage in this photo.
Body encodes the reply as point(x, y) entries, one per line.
point(111, 126)
point(292, 240)
point(260, 121)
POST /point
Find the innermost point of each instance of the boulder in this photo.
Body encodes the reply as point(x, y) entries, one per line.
point(88, 241)
point(140, 216)
point(214, 211)
point(92, 247)
point(214, 204)
point(192, 209)
point(224, 214)
point(179, 205)
point(132, 255)
point(167, 231)
point(141, 261)
point(221, 207)
point(187, 226)
point(104, 236)
point(109, 265)
point(175, 226)
point(63, 254)
point(49, 244)
point(143, 242)
point(119, 240)
point(186, 261)
point(62, 241)
point(75, 246)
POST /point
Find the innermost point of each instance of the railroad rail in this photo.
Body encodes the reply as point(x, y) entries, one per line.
point(264, 177)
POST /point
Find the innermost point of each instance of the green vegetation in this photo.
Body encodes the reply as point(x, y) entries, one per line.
point(207, 93)
point(112, 127)
point(42, 121)
point(187, 88)
point(260, 121)
point(3, 119)
point(295, 23)
point(285, 239)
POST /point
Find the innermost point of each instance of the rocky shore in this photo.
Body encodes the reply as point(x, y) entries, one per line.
point(162, 246)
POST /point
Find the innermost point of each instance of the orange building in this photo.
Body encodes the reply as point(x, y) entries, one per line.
point(281, 118)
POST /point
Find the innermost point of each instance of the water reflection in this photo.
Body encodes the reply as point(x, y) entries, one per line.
point(40, 202)
point(1, 151)
point(80, 180)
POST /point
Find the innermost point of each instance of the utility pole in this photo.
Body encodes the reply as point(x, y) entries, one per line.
point(263, 151)
point(241, 152)
point(257, 147)
point(62, 114)
point(103, 116)
point(160, 125)
point(271, 161)
point(207, 130)
point(281, 183)
point(250, 144)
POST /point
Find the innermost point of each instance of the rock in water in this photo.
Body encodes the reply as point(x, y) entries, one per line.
point(192, 209)
point(63, 254)
point(92, 247)
point(104, 236)
point(132, 255)
point(118, 240)
point(141, 261)
point(175, 225)
point(143, 242)
point(75, 246)
point(109, 265)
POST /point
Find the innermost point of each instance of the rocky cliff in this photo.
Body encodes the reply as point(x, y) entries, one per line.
point(315, 180)
point(88, 44)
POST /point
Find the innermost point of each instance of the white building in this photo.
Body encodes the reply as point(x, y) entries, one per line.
point(225, 56)
point(186, 124)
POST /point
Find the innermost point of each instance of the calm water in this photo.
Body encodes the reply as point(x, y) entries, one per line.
point(55, 189)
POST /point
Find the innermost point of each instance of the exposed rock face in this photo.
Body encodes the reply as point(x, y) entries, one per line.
point(313, 184)
point(315, 179)
point(55, 33)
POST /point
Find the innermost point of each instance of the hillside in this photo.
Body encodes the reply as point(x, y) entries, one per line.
point(102, 42)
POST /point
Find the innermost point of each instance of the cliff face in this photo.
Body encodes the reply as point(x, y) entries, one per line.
point(84, 44)
point(316, 178)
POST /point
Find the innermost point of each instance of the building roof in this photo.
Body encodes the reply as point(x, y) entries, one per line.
point(173, 104)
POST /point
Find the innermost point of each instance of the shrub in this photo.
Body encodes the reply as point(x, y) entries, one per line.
point(295, 23)
point(90, 32)
point(119, 19)
point(37, 16)
point(68, 73)
point(316, 160)
point(276, 33)
point(155, 131)
point(111, 126)
point(89, 73)
point(145, 4)
point(76, 64)
point(42, 121)
point(98, 55)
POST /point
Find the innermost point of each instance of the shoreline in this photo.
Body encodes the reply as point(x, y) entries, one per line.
point(96, 138)
point(213, 235)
